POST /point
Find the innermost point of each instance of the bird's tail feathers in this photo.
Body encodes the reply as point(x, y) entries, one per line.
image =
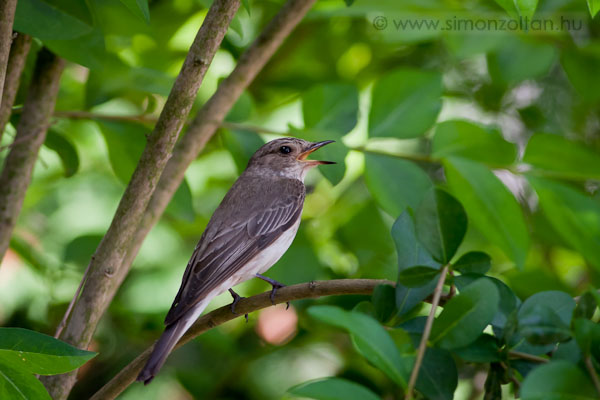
point(163, 347)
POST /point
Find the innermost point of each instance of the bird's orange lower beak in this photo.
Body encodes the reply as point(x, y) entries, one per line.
point(314, 146)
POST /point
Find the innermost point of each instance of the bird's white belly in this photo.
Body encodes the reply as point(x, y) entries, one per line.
point(266, 258)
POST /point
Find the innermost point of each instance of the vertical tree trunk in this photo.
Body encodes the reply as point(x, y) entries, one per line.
point(7, 16)
point(31, 132)
point(16, 62)
point(101, 283)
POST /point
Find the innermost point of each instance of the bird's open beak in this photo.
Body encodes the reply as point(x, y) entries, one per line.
point(314, 146)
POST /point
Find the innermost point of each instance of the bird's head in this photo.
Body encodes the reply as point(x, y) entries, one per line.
point(286, 157)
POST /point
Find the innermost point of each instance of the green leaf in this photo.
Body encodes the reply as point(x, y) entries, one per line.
point(587, 335)
point(336, 152)
point(410, 253)
point(540, 325)
point(405, 103)
point(438, 376)
point(574, 216)
point(483, 350)
point(241, 145)
point(88, 50)
point(557, 380)
point(384, 302)
point(47, 22)
point(139, 8)
point(490, 206)
point(526, 8)
point(332, 389)
point(395, 183)
point(16, 383)
point(581, 66)
point(126, 142)
point(594, 6)
point(560, 302)
point(246, 4)
point(374, 343)
point(181, 205)
point(418, 276)
point(509, 5)
point(38, 353)
point(493, 382)
point(465, 316)
point(521, 58)
point(563, 157)
point(474, 142)
point(331, 107)
point(80, 250)
point(586, 306)
point(65, 150)
point(476, 262)
point(441, 224)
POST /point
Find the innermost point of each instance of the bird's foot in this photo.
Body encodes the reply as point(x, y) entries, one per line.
point(276, 285)
point(236, 299)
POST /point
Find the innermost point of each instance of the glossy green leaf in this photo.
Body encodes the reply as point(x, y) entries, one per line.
point(126, 142)
point(484, 349)
point(594, 6)
point(438, 376)
point(508, 5)
point(559, 302)
point(587, 335)
point(45, 21)
point(139, 8)
point(541, 325)
point(38, 353)
point(526, 8)
point(373, 341)
point(332, 389)
point(521, 58)
point(472, 141)
point(465, 316)
point(16, 383)
point(65, 150)
point(558, 380)
point(384, 302)
point(395, 183)
point(335, 152)
point(476, 262)
point(405, 103)
point(418, 276)
point(410, 253)
point(81, 249)
point(241, 145)
point(88, 50)
point(490, 206)
point(574, 216)
point(441, 224)
point(562, 157)
point(331, 107)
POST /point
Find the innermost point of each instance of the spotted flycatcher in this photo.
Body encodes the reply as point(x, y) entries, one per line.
point(250, 230)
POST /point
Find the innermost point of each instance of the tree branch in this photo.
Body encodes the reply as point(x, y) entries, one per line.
point(211, 116)
point(16, 62)
point(7, 16)
point(19, 163)
point(101, 283)
point(221, 315)
point(437, 293)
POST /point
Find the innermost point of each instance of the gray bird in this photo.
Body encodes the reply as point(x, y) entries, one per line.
point(251, 229)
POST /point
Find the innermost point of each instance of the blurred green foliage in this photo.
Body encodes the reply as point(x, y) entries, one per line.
point(505, 121)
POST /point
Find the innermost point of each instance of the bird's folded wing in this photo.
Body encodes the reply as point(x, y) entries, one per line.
point(226, 248)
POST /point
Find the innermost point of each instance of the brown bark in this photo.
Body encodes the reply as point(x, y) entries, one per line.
point(219, 316)
point(16, 62)
point(100, 284)
point(212, 114)
point(31, 133)
point(7, 16)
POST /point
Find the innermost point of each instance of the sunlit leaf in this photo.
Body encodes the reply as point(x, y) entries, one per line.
point(405, 103)
point(330, 107)
point(594, 6)
point(558, 380)
point(45, 21)
point(65, 150)
point(38, 353)
point(17, 383)
point(139, 8)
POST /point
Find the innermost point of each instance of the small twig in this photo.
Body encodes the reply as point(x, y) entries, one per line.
point(423, 345)
point(65, 318)
point(526, 356)
point(592, 372)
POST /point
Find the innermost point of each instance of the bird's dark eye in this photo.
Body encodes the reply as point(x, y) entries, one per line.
point(285, 149)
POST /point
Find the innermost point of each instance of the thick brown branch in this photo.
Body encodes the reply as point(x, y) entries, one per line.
point(100, 284)
point(16, 62)
point(212, 114)
point(7, 16)
point(247, 305)
point(19, 163)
